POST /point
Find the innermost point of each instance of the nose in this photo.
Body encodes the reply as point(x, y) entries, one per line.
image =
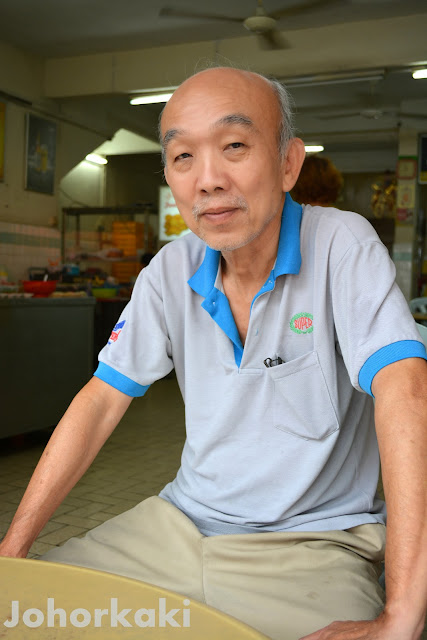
point(211, 174)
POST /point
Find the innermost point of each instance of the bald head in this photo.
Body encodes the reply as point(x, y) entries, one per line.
point(209, 83)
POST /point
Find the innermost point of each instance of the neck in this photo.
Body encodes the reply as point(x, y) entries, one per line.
point(248, 268)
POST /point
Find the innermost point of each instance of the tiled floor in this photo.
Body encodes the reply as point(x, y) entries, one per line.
point(141, 456)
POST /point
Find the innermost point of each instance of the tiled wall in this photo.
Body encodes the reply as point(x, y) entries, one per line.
point(23, 246)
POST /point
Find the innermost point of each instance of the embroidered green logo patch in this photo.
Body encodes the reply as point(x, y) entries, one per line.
point(302, 323)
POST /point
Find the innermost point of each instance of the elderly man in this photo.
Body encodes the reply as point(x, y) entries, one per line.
point(281, 322)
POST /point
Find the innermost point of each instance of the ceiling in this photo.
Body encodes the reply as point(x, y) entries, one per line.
point(349, 114)
point(51, 28)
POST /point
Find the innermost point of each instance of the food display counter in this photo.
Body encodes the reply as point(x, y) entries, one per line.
point(46, 356)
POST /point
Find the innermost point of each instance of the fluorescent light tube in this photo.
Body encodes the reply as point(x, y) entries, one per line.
point(159, 97)
point(96, 159)
point(420, 74)
point(313, 148)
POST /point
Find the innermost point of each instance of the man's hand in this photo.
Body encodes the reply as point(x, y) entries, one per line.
point(382, 628)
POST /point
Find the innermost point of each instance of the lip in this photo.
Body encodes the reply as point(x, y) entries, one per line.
point(218, 210)
point(220, 215)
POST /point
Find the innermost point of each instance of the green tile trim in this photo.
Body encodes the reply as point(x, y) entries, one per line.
point(402, 256)
point(28, 240)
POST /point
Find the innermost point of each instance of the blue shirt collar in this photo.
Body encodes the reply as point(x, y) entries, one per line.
point(288, 253)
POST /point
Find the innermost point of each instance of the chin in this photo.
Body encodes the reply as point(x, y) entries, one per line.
point(227, 244)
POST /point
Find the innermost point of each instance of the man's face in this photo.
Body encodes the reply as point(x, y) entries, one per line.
point(220, 131)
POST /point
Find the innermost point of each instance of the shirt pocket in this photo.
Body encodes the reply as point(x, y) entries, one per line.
point(302, 403)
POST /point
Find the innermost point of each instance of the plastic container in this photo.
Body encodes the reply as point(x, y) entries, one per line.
point(104, 292)
point(39, 288)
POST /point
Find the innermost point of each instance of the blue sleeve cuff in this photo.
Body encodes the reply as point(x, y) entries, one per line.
point(119, 381)
point(387, 355)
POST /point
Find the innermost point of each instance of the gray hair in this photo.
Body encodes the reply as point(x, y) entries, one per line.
point(286, 129)
point(286, 126)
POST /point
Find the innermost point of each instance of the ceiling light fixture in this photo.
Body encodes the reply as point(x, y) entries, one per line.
point(419, 74)
point(94, 158)
point(314, 148)
point(151, 99)
point(319, 79)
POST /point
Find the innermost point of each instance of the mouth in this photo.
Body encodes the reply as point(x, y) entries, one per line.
point(219, 215)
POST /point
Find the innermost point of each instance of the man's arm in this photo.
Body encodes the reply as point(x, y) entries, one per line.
point(400, 391)
point(86, 425)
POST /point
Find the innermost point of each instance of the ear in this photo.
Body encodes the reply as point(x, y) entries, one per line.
point(292, 163)
point(165, 173)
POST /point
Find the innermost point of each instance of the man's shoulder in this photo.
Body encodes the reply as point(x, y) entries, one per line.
point(344, 227)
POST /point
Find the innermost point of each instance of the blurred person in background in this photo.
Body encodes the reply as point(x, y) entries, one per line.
point(319, 183)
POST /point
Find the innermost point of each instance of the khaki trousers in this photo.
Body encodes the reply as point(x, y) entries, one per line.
point(286, 585)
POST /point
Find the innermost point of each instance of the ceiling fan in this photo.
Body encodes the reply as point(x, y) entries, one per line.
point(262, 24)
point(371, 108)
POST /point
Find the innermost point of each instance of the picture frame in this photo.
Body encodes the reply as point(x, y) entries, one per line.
point(422, 171)
point(2, 136)
point(40, 154)
point(407, 167)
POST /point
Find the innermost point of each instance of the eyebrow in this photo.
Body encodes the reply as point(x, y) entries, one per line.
point(234, 118)
point(170, 135)
point(226, 121)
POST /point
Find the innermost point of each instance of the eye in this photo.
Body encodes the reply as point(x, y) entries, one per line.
point(236, 145)
point(182, 156)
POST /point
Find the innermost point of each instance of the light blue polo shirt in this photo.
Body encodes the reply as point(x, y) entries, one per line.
point(281, 448)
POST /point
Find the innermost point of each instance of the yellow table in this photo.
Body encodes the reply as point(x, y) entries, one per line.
point(45, 600)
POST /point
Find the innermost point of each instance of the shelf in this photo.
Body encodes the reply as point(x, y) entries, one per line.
point(146, 208)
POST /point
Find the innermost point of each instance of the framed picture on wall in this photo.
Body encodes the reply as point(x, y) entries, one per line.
point(422, 176)
point(2, 130)
point(40, 154)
